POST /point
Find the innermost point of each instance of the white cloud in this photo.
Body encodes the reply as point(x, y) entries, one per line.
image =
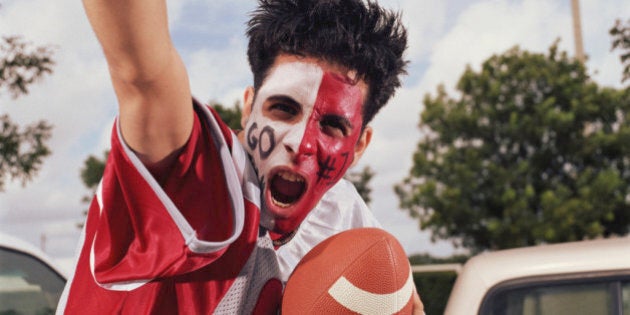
point(219, 75)
point(425, 20)
point(492, 27)
point(598, 17)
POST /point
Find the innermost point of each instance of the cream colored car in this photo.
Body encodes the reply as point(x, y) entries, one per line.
point(588, 277)
point(30, 282)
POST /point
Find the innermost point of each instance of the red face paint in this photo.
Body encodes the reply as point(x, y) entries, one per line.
point(327, 148)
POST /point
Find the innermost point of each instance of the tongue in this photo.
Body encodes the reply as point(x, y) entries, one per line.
point(286, 191)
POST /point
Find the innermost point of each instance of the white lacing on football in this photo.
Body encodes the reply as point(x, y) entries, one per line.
point(364, 302)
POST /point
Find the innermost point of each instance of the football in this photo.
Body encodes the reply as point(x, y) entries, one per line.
point(363, 271)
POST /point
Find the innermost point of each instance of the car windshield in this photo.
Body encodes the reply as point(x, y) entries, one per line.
point(610, 296)
point(27, 285)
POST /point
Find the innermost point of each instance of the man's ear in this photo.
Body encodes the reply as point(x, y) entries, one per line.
point(248, 100)
point(362, 144)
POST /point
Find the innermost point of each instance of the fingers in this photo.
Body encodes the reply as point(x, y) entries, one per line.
point(418, 307)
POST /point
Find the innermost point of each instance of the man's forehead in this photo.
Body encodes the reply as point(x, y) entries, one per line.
point(301, 80)
point(298, 80)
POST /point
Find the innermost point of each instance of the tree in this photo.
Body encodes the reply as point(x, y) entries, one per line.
point(621, 40)
point(532, 151)
point(22, 150)
point(361, 181)
point(92, 172)
point(21, 65)
point(230, 115)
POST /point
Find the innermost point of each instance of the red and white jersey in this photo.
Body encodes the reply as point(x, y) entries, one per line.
point(184, 240)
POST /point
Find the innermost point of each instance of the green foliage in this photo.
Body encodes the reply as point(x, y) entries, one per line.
point(230, 115)
point(91, 174)
point(435, 287)
point(531, 152)
point(361, 181)
point(22, 150)
point(621, 40)
point(21, 65)
point(425, 259)
point(92, 170)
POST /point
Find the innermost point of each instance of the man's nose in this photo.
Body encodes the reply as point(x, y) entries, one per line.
point(292, 141)
point(308, 146)
point(302, 146)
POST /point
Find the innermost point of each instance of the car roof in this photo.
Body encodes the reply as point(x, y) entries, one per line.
point(486, 270)
point(17, 244)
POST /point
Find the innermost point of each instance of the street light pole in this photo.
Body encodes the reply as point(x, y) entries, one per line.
point(577, 31)
point(42, 242)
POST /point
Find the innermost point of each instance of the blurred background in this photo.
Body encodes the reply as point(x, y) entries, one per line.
point(523, 137)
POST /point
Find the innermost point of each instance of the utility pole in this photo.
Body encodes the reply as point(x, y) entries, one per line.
point(42, 242)
point(577, 31)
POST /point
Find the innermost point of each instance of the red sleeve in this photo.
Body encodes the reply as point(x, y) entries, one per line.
point(141, 232)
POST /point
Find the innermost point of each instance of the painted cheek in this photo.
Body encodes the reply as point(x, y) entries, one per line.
point(323, 158)
point(265, 140)
point(334, 155)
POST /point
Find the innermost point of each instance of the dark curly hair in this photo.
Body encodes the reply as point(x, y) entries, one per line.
point(351, 33)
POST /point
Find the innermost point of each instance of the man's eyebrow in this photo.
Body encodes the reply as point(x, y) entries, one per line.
point(284, 99)
point(340, 119)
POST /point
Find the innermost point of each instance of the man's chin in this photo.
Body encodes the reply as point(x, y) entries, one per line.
point(282, 220)
point(284, 225)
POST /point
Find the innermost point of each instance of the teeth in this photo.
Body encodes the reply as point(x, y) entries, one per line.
point(279, 204)
point(288, 177)
point(291, 177)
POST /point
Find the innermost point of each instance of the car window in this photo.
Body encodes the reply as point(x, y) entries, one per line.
point(27, 285)
point(571, 299)
point(602, 296)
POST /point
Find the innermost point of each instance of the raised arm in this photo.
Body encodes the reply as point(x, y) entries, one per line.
point(148, 75)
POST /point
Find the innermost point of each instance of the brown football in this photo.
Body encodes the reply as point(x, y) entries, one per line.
point(363, 271)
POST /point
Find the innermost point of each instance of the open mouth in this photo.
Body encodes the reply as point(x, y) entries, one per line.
point(286, 188)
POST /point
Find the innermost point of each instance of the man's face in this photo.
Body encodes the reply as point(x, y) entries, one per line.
point(303, 134)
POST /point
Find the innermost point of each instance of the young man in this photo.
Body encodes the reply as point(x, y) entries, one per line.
point(174, 227)
point(316, 104)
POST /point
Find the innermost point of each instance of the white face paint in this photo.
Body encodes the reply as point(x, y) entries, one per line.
point(297, 81)
point(301, 133)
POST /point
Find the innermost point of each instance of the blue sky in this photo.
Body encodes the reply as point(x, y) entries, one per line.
point(445, 36)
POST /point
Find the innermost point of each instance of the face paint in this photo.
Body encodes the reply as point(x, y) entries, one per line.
point(302, 133)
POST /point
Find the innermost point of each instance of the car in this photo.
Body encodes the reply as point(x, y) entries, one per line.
point(586, 277)
point(30, 281)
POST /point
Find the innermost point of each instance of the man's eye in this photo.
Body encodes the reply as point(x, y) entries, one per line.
point(334, 127)
point(283, 111)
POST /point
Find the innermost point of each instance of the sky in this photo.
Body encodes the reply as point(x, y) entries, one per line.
point(444, 37)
